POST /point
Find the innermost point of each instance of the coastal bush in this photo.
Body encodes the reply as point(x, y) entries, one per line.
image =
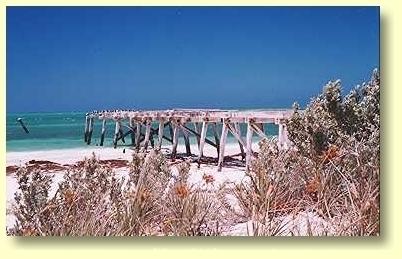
point(192, 210)
point(92, 201)
point(341, 138)
point(332, 170)
point(329, 119)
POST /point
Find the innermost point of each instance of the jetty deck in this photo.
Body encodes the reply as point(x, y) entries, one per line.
point(190, 123)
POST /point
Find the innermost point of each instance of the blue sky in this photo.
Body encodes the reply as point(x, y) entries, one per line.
point(85, 58)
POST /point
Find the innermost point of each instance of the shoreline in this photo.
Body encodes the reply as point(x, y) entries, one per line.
point(73, 155)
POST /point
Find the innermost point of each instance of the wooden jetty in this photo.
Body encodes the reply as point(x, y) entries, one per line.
point(190, 122)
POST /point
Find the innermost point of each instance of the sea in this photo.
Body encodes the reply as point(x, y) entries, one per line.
point(65, 130)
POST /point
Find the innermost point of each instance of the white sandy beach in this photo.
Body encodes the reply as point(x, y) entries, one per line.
point(71, 156)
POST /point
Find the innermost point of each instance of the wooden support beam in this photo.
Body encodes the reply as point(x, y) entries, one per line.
point(280, 134)
point(153, 132)
point(86, 129)
point(175, 137)
point(216, 136)
point(123, 135)
point(222, 145)
point(90, 130)
point(283, 139)
point(147, 133)
point(197, 128)
point(151, 139)
point(186, 140)
point(131, 123)
point(285, 136)
point(236, 134)
point(116, 134)
point(102, 139)
point(171, 131)
point(249, 139)
point(199, 135)
point(259, 131)
point(156, 132)
point(138, 136)
point(202, 139)
point(160, 132)
point(240, 140)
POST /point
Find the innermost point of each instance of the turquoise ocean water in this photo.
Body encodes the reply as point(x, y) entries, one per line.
point(65, 130)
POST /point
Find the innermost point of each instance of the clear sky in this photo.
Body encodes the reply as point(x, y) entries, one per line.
point(85, 58)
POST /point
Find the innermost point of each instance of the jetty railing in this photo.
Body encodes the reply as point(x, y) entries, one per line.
point(190, 122)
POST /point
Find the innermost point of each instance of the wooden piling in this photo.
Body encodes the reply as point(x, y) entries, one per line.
point(283, 140)
point(103, 132)
point(151, 139)
point(285, 137)
point(170, 130)
point(186, 141)
point(131, 124)
point(160, 132)
point(121, 133)
point(154, 131)
point(222, 146)
point(216, 136)
point(280, 134)
point(197, 129)
point(190, 131)
point(90, 130)
point(86, 129)
point(249, 139)
point(204, 129)
point(241, 145)
point(138, 136)
point(147, 133)
point(116, 133)
point(175, 141)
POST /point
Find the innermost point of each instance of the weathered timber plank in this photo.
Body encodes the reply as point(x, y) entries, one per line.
point(249, 138)
point(102, 139)
point(202, 139)
point(186, 140)
point(175, 141)
point(222, 145)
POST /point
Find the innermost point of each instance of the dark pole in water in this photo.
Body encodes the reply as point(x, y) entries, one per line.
point(23, 125)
